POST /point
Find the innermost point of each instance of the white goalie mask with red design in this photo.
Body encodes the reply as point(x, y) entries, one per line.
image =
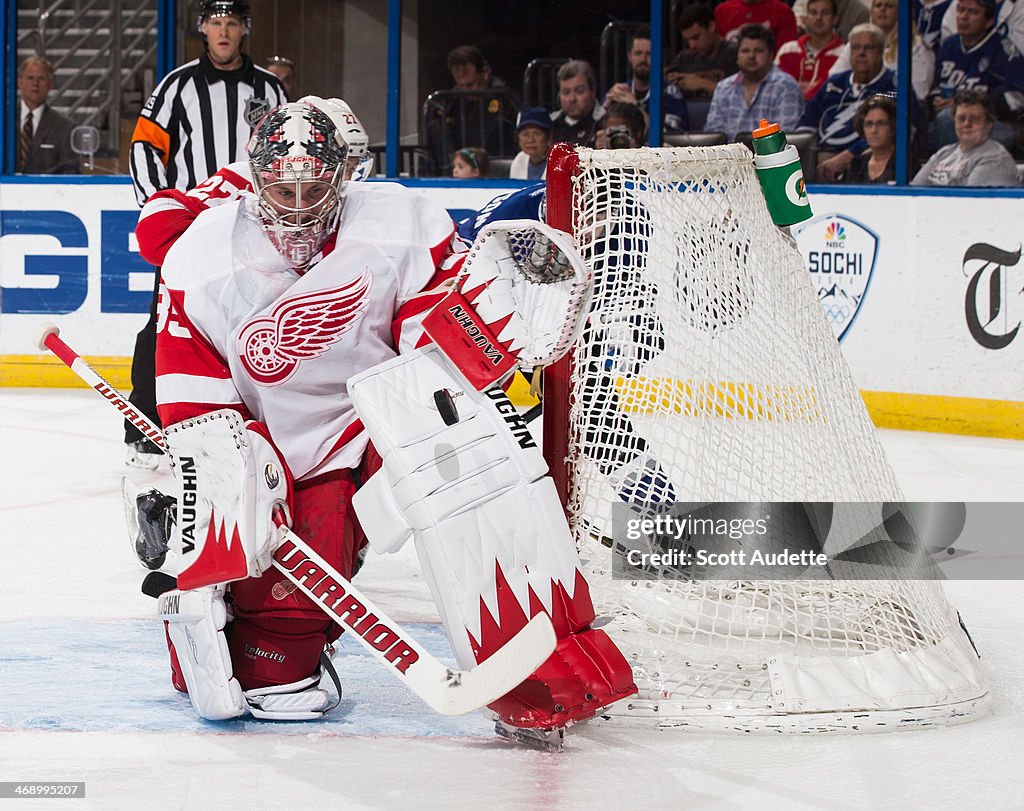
point(298, 162)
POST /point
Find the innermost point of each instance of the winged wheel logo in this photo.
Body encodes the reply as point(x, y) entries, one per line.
point(301, 328)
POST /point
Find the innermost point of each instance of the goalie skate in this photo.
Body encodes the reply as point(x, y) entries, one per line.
point(149, 516)
point(142, 455)
point(546, 740)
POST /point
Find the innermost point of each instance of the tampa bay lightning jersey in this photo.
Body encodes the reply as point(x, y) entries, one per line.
point(993, 65)
point(522, 204)
point(928, 19)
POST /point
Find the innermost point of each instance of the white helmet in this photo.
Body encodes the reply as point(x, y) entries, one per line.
point(350, 127)
point(298, 160)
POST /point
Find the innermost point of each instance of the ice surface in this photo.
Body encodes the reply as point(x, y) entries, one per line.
point(84, 693)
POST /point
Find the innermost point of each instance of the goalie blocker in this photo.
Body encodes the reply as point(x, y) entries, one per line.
point(473, 494)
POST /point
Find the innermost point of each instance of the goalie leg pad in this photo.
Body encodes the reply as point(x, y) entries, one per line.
point(584, 674)
point(233, 481)
point(272, 646)
point(489, 530)
point(300, 701)
point(194, 622)
point(303, 700)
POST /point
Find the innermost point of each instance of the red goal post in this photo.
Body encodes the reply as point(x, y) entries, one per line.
point(563, 165)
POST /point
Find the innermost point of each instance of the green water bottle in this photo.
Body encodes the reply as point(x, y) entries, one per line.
point(777, 164)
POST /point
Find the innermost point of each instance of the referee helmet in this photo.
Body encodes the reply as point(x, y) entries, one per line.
point(223, 8)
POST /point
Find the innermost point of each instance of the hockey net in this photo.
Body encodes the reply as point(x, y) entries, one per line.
point(708, 373)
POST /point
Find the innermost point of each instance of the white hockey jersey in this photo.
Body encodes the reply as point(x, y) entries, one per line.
point(240, 329)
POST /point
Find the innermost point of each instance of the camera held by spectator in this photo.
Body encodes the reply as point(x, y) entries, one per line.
point(620, 137)
point(624, 127)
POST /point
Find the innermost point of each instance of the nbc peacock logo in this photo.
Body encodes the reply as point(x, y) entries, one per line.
point(835, 235)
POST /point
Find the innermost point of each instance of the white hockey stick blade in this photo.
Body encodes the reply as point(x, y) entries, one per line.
point(444, 690)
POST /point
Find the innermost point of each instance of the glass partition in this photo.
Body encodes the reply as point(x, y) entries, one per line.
point(88, 67)
point(479, 66)
point(482, 89)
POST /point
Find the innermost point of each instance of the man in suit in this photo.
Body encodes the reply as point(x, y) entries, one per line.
point(44, 136)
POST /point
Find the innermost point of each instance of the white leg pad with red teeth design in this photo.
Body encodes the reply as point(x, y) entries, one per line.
point(489, 531)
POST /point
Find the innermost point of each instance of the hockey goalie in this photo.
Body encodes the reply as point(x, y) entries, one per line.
point(330, 357)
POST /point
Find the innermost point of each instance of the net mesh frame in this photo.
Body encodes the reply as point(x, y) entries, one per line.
point(708, 365)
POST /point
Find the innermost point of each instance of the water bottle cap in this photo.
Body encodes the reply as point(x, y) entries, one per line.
point(764, 128)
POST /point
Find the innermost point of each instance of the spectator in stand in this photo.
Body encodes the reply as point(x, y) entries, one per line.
point(705, 59)
point(885, 14)
point(759, 90)
point(774, 15)
point(976, 159)
point(44, 135)
point(1009, 16)
point(851, 13)
point(638, 89)
point(809, 58)
point(875, 122)
point(533, 129)
point(470, 71)
point(977, 57)
point(577, 119)
point(830, 113)
point(928, 16)
point(284, 69)
point(479, 118)
point(623, 127)
point(470, 162)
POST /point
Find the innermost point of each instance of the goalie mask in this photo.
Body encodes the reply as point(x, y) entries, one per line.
point(298, 159)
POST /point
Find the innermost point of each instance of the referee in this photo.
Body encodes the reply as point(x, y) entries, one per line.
point(198, 119)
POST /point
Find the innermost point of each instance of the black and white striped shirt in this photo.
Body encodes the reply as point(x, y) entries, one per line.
point(198, 120)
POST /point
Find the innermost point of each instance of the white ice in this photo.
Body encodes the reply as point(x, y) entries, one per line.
point(84, 694)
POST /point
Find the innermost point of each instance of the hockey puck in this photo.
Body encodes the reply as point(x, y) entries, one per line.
point(157, 583)
point(446, 406)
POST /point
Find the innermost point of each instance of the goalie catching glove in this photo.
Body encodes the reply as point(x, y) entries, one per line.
point(233, 484)
point(520, 299)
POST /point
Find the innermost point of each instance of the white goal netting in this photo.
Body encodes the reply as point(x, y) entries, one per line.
point(708, 373)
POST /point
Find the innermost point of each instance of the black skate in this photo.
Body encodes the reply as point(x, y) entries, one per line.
point(149, 515)
point(143, 454)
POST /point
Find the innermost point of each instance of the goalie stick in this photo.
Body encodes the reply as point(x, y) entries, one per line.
point(443, 689)
point(49, 338)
